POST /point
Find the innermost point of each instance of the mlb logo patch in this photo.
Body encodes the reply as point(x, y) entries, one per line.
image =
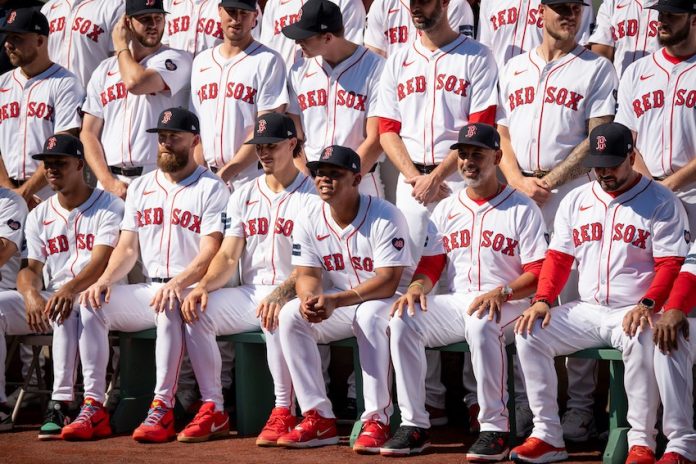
point(296, 249)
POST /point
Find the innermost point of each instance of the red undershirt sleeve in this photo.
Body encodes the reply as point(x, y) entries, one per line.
point(666, 271)
point(431, 266)
point(683, 296)
point(389, 125)
point(486, 116)
point(534, 267)
point(554, 275)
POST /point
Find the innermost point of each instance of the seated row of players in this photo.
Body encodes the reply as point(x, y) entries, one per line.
point(348, 272)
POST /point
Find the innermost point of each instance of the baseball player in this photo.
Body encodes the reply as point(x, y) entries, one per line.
point(656, 98)
point(69, 240)
point(625, 31)
point(333, 90)
point(80, 33)
point(37, 99)
point(389, 25)
point(173, 219)
point(5, 7)
point(674, 357)
point(231, 85)
point(127, 92)
point(282, 13)
point(513, 27)
point(628, 235)
point(194, 25)
point(488, 226)
point(262, 216)
point(13, 214)
point(359, 244)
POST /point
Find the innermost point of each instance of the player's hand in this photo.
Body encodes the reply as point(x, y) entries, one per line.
point(525, 322)
point(666, 331)
point(92, 297)
point(268, 312)
point(670, 183)
point(534, 188)
point(638, 317)
point(36, 317)
point(60, 305)
point(29, 198)
point(117, 187)
point(490, 303)
point(426, 190)
point(318, 308)
point(168, 296)
point(408, 300)
point(189, 308)
point(121, 35)
point(227, 172)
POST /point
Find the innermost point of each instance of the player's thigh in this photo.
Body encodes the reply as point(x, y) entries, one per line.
point(13, 315)
point(443, 322)
point(232, 310)
point(337, 327)
point(129, 307)
point(482, 324)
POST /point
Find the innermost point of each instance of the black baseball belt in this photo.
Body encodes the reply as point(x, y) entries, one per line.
point(160, 280)
point(425, 168)
point(537, 173)
point(134, 171)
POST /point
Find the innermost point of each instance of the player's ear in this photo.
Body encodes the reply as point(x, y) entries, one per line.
point(356, 180)
point(632, 157)
point(498, 156)
point(80, 164)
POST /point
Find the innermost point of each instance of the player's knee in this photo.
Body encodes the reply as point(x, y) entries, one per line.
point(290, 314)
point(480, 332)
point(400, 330)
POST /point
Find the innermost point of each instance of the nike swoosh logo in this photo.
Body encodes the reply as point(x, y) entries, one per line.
point(214, 428)
point(585, 208)
point(49, 222)
point(517, 73)
point(251, 202)
point(285, 2)
point(323, 237)
point(321, 433)
point(392, 11)
point(53, 7)
point(310, 74)
point(452, 216)
point(204, 69)
point(407, 63)
point(179, 2)
point(624, 5)
point(112, 73)
point(4, 90)
point(643, 78)
point(147, 192)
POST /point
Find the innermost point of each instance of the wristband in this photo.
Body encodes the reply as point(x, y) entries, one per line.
point(541, 300)
point(118, 52)
point(359, 296)
point(418, 284)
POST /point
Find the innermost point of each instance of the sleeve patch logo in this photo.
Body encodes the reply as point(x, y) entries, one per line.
point(170, 65)
point(296, 249)
point(14, 225)
point(687, 236)
point(398, 243)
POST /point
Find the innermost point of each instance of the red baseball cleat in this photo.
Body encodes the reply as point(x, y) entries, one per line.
point(373, 436)
point(91, 423)
point(674, 458)
point(280, 423)
point(537, 451)
point(158, 426)
point(207, 424)
point(639, 454)
point(313, 431)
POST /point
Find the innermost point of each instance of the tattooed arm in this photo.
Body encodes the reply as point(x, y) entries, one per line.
point(270, 307)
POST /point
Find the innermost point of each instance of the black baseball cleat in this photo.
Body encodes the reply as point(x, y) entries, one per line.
point(407, 440)
point(489, 447)
point(55, 419)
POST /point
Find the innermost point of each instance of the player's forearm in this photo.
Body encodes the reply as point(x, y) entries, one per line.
point(95, 158)
point(308, 285)
point(524, 286)
point(245, 157)
point(36, 182)
point(396, 152)
point(285, 291)
point(194, 272)
point(640, 166)
point(220, 271)
point(198, 155)
point(508, 163)
point(92, 271)
point(683, 176)
point(135, 76)
point(446, 168)
point(370, 149)
point(4, 177)
point(29, 282)
point(606, 51)
point(7, 250)
point(379, 287)
point(120, 264)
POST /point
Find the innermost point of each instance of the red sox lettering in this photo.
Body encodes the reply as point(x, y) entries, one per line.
point(235, 90)
point(114, 92)
point(656, 100)
point(631, 28)
point(417, 84)
point(207, 26)
point(182, 218)
point(82, 25)
point(284, 21)
point(397, 34)
point(38, 110)
point(336, 262)
point(510, 15)
point(554, 95)
point(622, 233)
point(259, 226)
point(489, 239)
point(60, 244)
point(346, 98)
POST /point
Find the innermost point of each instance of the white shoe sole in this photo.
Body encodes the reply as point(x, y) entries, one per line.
point(311, 443)
point(487, 457)
point(551, 456)
point(403, 452)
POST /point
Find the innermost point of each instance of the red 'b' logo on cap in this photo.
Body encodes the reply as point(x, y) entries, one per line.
point(51, 143)
point(12, 17)
point(327, 153)
point(166, 117)
point(470, 132)
point(150, 3)
point(601, 143)
point(262, 125)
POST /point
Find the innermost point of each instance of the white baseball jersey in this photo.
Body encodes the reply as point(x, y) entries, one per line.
point(502, 235)
point(627, 26)
point(126, 116)
point(656, 100)
point(376, 238)
point(13, 216)
point(194, 25)
point(31, 110)
point(80, 33)
point(170, 218)
point(546, 105)
point(334, 103)
point(433, 94)
point(390, 27)
point(228, 94)
point(281, 13)
point(63, 240)
point(615, 240)
point(266, 220)
point(512, 27)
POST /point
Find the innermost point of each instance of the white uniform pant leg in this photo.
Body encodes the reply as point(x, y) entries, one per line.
point(278, 366)
point(441, 325)
point(65, 355)
point(487, 341)
point(13, 321)
point(227, 359)
point(371, 184)
point(574, 326)
point(371, 330)
point(688, 197)
point(299, 340)
point(229, 311)
point(674, 373)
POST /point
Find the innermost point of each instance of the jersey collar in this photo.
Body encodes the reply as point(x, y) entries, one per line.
point(539, 61)
point(294, 185)
point(365, 202)
point(343, 65)
point(629, 194)
point(488, 203)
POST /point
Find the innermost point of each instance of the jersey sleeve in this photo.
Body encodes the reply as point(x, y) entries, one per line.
point(13, 216)
point(234, 223)
point(35, 248)
point(117, 10)
point(601, 100)
point(461, 17)
point(374, 83)
point(502, 111)
point(273, 92)
point(131, 207)
point(68, 102)
point(583, 35)
point(374, 30)
point(534, 239)
point(213, 219)
point(390, 239)
point(602, 34)
point(304, 253)
point(387, 106)
point(562, 238)
point(484, 34)
point(624, 111)
point(433, 245)
point(353, 19)
point(690, 261)
point(110, 223)
point(93, 104)
point(670, 230)
point(484, 82)
point(174, 67)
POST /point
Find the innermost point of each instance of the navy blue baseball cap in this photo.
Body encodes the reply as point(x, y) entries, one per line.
point(272, 128)
point(336, 155)
point(61, 145)
point(249, 5)
point(478, 134)
point(177, 119)
point(560, 2)
point(610, 145)
point(675, 6)
point(315, 17)
point(25, 21)
point(139, 7)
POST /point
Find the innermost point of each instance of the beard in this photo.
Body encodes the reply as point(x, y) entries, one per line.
point(430, 22)
point(677, 37)
point(147, 41)
point(172, 161)
point(22, 59)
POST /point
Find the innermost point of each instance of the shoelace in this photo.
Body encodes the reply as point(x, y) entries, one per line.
point(86, 412)
point(276, 421)
point(201, 415)
point(54, 415)
point(154, 415)
point(373, 427)
point(641, 451)
point(308, 423)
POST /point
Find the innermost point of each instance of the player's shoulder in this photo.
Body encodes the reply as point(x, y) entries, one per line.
point(207, 178)
point(10, 199)
point(642, 64)
point(173, 58)
point(583, 194)
point(585, 55)
point(370, 58)
point(262, 51)
point(659, 192)
point(49, 8)
point(471, 46)
point(300, 66)
point(107, 200)
point(43, 209)
point(379, 208)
